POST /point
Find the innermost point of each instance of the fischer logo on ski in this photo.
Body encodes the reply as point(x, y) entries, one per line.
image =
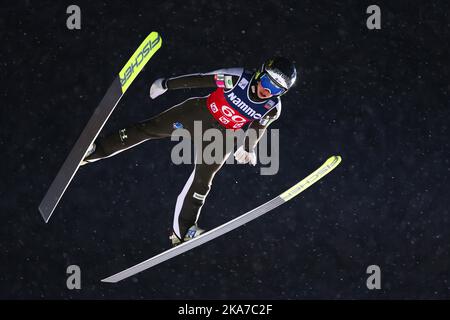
point(138, 60)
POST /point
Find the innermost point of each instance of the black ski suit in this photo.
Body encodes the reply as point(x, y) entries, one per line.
point(193, 195)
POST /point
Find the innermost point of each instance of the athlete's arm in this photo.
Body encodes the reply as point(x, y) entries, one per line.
point(190, 82)
point(259, 127)
point(246, 153)
point(223, 78)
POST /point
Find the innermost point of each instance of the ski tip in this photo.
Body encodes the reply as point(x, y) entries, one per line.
point(139, 59)
point(330, 164)
point(336, 157)
point(335, 160)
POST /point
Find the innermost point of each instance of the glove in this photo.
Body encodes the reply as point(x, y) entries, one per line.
point(243, 156)
point(157, 88)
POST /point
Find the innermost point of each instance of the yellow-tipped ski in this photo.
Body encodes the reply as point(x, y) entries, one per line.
point(326, 168)
point(138, 60)
point(129, 72)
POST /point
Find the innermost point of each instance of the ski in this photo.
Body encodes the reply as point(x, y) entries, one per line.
point(135, 64)
point(304, 184)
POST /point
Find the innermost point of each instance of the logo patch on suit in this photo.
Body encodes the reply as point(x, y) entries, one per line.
point(243, 83)
point(269, 104)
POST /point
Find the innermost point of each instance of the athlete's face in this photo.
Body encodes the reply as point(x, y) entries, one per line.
point(262, 92)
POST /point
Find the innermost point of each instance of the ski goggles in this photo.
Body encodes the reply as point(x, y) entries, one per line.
point(268, 84)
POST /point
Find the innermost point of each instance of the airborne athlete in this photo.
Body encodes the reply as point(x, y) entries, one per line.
point(242, 99)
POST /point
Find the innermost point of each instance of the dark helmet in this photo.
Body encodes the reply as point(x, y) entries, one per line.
point(281, 71)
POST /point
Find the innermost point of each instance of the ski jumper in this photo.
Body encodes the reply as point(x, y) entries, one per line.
point(233, 105)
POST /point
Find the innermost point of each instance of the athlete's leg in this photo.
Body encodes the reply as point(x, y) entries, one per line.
point(159, 126)
point(192, 197)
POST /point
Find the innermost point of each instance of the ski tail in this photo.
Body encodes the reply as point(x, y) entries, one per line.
point(292, 192)
point(121, 83)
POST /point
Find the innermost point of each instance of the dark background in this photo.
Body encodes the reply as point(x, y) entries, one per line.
point(377, 98)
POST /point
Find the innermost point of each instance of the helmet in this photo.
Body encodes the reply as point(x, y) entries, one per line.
point(278, 72)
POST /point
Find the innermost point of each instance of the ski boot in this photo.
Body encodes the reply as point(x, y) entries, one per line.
point(90, 151)
point(192, 233)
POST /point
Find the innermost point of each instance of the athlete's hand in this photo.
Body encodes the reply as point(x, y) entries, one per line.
point(243, 156)
point(157, 88)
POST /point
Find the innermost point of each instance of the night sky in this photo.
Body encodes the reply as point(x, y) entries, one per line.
point(378, 98)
